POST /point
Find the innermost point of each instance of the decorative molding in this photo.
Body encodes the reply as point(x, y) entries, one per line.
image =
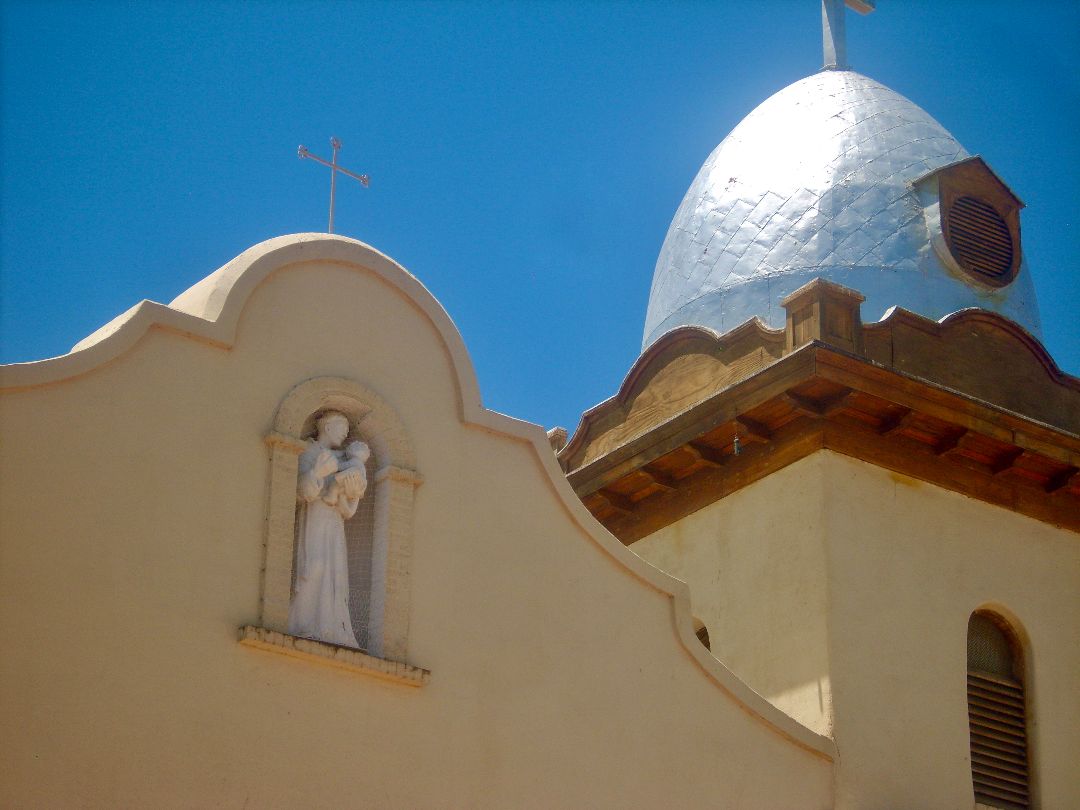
point(285, 442)
point(401, 474)
point(320, 652)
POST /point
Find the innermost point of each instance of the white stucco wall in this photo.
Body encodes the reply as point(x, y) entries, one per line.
point(756, 567)
point(908, 563)
point(133, 495)
point(839, 573)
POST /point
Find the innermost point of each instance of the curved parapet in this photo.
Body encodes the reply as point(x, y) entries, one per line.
point(210, 311)
point(686, 365)
point(213, 312)
point(983, 354)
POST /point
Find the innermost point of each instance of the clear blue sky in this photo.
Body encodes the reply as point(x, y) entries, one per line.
point(526, 158)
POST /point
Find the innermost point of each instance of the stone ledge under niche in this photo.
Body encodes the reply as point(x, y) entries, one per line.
point(331, 654)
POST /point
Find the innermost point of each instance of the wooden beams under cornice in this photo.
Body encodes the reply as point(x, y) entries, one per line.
point(753, 430)
point(706, 484)
point(814, 407)
point(903, 394)
point(694, 425)
point(664, 475)
point(703, 455)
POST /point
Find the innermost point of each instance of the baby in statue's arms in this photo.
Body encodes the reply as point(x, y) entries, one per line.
point(350, 480)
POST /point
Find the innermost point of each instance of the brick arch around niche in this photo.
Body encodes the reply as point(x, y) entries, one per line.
point(392, 490)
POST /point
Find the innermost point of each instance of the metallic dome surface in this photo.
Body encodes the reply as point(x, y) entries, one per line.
point(818, 182)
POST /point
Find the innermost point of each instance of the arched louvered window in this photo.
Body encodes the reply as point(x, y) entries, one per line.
point(997, 713)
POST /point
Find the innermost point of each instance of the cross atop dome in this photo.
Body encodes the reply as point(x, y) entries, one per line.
point(832, 30)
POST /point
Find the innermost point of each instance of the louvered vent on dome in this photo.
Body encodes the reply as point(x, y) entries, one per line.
point(824, 180)
point(979, 238)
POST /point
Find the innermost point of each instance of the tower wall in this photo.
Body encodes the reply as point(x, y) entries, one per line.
point(838, 578)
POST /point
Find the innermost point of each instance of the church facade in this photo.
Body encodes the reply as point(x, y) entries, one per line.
point(820, 550)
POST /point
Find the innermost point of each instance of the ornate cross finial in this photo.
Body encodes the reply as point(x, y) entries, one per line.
point(832, 29)
point(335, 144)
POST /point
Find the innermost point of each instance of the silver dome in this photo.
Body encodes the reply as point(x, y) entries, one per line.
point(818, 181)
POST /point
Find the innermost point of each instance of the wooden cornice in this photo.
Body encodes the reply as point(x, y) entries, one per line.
point(982, 354)
point(972, 403)
point(680, 369)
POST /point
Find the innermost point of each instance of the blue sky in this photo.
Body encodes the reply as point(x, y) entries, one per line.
point(526, 158)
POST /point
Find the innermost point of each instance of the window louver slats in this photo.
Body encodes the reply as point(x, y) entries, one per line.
point(1001, 749)
point(995, 707)
point(998, 741)
point(995, 796)
point(980, 238)
point(1005, 763)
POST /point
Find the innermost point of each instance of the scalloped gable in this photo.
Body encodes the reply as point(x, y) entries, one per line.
point(213, 368)
point(210, 311)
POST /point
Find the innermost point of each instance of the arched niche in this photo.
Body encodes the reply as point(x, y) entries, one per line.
point(391, 494)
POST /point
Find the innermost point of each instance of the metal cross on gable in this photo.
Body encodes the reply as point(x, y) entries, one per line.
point(832, 29)
point(335, 144)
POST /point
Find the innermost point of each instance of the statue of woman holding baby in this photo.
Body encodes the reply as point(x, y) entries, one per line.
point(330, 484)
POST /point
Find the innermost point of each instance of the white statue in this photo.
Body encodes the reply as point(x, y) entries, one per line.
point(330, 484)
